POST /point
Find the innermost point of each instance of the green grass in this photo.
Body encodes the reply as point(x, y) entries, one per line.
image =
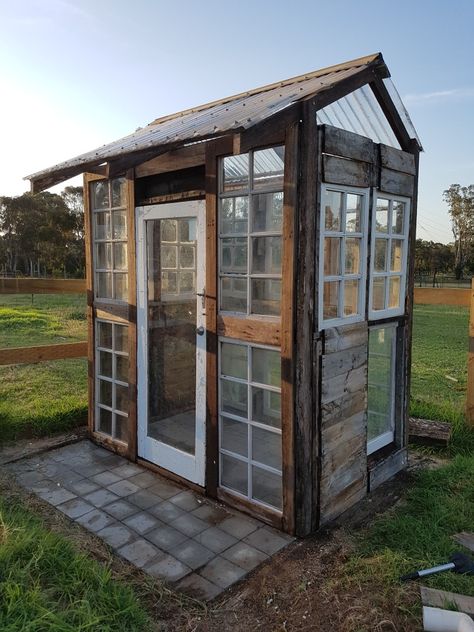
point(46, 585)
point(417, 534)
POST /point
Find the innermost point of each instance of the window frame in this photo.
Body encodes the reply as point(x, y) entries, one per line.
point(343, 235)
point(388, 312)
point(249, 461)
point(388, 437)
point(250, 192)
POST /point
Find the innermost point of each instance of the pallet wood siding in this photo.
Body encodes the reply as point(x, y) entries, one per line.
point(384, 469)
point(343, 419)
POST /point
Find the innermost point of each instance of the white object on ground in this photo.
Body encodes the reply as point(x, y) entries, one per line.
point(438, 620)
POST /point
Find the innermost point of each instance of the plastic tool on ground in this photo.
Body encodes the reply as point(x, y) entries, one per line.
point(458, 562)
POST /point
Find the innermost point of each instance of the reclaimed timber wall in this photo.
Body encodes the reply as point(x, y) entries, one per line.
point(343, 419)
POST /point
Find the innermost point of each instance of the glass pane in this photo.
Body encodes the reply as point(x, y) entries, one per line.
point(121, 286)
point(266, 447)
point(234, 215)
point(352, 265)
point(268, 168)
point(119, 221)
point(169, 257)
point(187, 230)
point(187, 257)
point(236, 172)
point(381, 216)
point(234, 398)
point(266, 407)
point(234, 295)
point(234, 360)
point(169, 284)
point(378, 293)
point(104, 335)
point(105, 393)
point(398, 215)
point(351, 297)
point(380, 258)
point(332, 202)
point(234, 436)
point(332, 255)
point(171, 344)
point(266, 366)
point(121, 368)
point(121, 338)
point(396, 256)
point(187, 282)
point(104, 256)
point(331, 299)
point(380, 380)
point(266, 295)
point(353, 213)
point(267, 212)
point(169, 230)
point(120, 256)
point(99, 194)
point(102, 226)
point(234, 474)
point(266, 487)
point(394, 292)
point(234, 254)
point(105, 364)
point(119, 192)
point(104, 284)
point(104, 421)
point(121, 428)
point(266, 255)
point(121, 398)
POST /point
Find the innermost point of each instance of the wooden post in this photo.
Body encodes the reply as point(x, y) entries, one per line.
point(470, 364)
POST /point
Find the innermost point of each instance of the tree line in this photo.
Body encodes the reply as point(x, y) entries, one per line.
point(42, 234)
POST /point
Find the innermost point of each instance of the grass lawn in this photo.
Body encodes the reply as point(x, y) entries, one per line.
point(46, 585)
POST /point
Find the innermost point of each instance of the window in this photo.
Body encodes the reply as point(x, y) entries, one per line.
point(381, 387)
point(111, 385)
point(390, 224)
point(250, 226)
point(343, 254)
point(250, 422)
point(109, 212)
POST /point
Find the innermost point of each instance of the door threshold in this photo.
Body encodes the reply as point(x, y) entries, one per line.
point(171, 476)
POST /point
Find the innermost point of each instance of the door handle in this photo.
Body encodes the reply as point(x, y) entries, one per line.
point(200, 331)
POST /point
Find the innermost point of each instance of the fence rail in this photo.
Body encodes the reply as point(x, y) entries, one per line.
point(42, 286)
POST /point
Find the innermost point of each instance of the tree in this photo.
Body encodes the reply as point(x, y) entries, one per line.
point(433, 258)
point(460, 202)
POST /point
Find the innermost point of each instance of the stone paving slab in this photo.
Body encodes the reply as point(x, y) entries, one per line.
point(172, 533)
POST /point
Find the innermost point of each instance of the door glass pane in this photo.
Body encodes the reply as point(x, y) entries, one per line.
point(266, 447)
point(234, 474)
point(266, 255)
point(267, 212)
point(380, 381)
point(266, 487)
point(172, 332)
point(268, 168)
point(266, 366)
point(266, 294)
point(266, 407)
point(234, 436)
point(234, 294)
point(234, 360)
point(234, 215)
point(234, 398)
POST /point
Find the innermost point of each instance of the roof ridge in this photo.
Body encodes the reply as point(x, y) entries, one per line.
point(354, 63)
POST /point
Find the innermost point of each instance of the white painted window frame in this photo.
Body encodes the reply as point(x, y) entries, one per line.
point(362, 276)
point(389, 436)
point(393, 311)
point(248, 421)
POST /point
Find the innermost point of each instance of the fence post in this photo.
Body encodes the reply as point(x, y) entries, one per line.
point(470, 363)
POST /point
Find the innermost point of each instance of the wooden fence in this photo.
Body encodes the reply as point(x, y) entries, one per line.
point(27, 355)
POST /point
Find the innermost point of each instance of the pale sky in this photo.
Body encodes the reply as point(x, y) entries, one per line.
point(76, 74)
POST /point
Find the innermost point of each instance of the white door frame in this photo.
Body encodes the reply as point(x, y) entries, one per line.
point(191, 467)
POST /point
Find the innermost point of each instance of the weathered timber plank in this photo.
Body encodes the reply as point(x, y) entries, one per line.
point(396, 159)
point(339, 142)
point(465, 539)
point(446, 600)
point(386, 468)
point(343, 408)
point(345, 500)
point(344, 361)
point(344, 463)
point(396, 182)
point(345, 337)
point(249, 329)
point(347, 429)
point(43, 353)
point(427, 431)
point(442, 296)
point(182, 158)
point(333, 388)
point(42, 286)
point(346, 172)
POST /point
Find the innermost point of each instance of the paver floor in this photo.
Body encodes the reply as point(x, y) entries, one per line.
point(170, 532)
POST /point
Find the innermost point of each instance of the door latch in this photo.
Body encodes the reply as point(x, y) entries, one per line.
point(202, 294)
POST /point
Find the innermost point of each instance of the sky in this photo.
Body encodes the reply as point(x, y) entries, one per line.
point(75, 74)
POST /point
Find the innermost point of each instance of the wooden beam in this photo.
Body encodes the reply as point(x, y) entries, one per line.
point(255, 330)
point(429, 432)
point(42, 286)
point(43, 353)
point(197, 194)
point(346, 172)
point(396, 183)
point(385, 468)
point(397, 159)
point(183, 158)
point(340, 142)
